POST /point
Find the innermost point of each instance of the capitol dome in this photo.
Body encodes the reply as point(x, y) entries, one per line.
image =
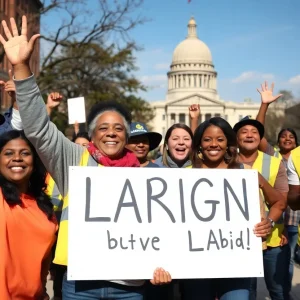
point(192, 49)
point(192, 70)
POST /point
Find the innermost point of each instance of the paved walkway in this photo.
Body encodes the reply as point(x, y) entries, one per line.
point(262, 293)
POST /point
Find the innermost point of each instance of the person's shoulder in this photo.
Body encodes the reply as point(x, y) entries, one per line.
point(152, 165)
point(159, 162)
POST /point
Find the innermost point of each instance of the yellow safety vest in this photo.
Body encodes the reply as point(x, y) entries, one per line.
point(268, 167)
point(61, 252)
point(295, 154)
point(56, 198)
point(277, 153)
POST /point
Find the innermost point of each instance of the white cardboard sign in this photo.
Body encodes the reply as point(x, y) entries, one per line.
point(76, 110)
point(195, 223)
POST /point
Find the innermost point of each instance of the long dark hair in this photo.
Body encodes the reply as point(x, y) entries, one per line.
point(292, 131)
point(167, 136)
point(37, 184)
point(231, 157)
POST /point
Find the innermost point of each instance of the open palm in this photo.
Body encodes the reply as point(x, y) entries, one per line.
point(18, 50)
point(266, 93)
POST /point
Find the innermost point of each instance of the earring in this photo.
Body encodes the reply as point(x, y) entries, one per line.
point(227, 156)
point(200, 155)
point(167, 148)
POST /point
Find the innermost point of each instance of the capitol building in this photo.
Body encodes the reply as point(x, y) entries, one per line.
point(192, 79)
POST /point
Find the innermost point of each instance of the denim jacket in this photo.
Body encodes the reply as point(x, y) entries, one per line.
point(5, 121)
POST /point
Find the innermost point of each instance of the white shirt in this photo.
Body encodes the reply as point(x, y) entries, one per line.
point(16, 121)
point(293, 177)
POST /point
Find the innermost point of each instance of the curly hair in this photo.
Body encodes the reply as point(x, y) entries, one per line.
point(230, 135)
point(37, 184)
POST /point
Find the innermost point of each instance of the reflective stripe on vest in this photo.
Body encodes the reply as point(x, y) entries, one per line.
point(53, 192)
point(61, 252)
point(277, 153)
point(268, 167)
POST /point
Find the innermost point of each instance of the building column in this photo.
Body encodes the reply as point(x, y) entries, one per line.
point(176, 84)
point(187, 119)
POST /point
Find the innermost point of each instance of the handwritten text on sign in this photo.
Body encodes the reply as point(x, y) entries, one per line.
point(195, 223)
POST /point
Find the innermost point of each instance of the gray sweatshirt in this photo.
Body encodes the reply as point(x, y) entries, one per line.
point(55, 150)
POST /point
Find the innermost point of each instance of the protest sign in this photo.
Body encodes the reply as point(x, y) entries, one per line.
point(76, 110)
point(194, 223)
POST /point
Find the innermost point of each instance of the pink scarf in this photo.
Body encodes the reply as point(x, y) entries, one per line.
point(127, 160)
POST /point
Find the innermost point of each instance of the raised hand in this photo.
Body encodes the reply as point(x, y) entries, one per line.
point(54, 100)
point(194, 111)
point(160, 276)
point(17, 48)
point(266, 93)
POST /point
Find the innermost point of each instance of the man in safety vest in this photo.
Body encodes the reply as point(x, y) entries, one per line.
point(274, 188)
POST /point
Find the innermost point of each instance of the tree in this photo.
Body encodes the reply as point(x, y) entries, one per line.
point(286, 96)
point(273, 124)
point(90, 53)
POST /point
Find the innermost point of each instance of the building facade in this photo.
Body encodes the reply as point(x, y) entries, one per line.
point(16, 9)
point(192, 79)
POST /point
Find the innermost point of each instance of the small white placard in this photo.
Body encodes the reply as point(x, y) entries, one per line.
point(76, 110)
point(194, 223)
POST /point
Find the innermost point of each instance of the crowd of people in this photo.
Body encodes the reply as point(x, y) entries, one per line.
point(34, 173)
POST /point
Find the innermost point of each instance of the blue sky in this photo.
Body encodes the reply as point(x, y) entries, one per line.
point(250, 41)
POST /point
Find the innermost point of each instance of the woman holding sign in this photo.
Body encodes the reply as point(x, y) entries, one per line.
point(215, 147)
point(108, 127)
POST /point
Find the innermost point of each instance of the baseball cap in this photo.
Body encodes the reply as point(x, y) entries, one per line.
point(249, 121)
point(139, 128)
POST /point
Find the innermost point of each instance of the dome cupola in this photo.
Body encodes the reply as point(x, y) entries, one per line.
point(192, 68)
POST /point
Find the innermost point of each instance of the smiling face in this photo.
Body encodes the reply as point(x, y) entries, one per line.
point(179, 145)
point(248, 138)
point(109, 135)
point(287, 141)
point(213, 144)
point(16, 162)
point(139, 145)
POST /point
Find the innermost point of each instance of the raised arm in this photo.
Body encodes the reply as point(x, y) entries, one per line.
point(275, 196)
point(267, 98)
point(55, 150)
point(194, 111)
point(53, 100)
